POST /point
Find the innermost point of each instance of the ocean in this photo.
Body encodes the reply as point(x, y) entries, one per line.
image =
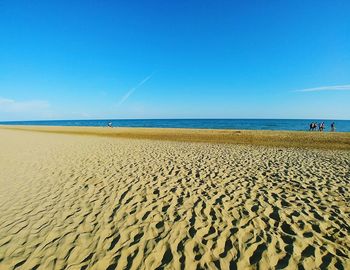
point(249, 124)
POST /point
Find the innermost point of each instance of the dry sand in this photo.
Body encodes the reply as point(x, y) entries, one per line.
point(88, 202)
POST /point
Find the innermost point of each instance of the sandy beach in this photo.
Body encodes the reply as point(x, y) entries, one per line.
point(99, 198)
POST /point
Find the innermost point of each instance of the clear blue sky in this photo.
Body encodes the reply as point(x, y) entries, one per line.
point(174, 59)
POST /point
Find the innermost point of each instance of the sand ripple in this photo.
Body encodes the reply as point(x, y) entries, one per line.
point(81, 202)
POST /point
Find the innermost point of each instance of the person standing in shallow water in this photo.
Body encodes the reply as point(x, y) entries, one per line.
point(321, 126)
point(333, 127)
point(313, 126)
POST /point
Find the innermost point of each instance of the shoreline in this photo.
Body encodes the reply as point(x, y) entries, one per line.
point(285, 139)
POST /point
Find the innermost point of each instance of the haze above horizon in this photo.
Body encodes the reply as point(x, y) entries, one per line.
point(174, 59)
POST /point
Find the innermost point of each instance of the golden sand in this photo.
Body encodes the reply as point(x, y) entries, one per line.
point(122, 201)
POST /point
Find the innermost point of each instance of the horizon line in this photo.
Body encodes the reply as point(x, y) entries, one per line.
point(126, 119)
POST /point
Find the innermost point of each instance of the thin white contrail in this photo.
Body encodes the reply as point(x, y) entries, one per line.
point(345, 87)
point(132, 90)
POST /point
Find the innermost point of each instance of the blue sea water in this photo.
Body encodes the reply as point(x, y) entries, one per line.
point(249, 124)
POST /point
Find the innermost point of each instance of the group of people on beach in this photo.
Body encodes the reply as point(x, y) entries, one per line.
point(321, 126)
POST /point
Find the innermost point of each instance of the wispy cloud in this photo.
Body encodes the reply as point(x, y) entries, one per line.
point(132, 90)
point(13, 106)
point(345, 87)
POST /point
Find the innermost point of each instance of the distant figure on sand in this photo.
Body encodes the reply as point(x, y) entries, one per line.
point(333, 127)
point(110, 124)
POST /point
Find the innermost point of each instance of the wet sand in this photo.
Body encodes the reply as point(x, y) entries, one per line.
point(173, 199)
point(294, 139)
